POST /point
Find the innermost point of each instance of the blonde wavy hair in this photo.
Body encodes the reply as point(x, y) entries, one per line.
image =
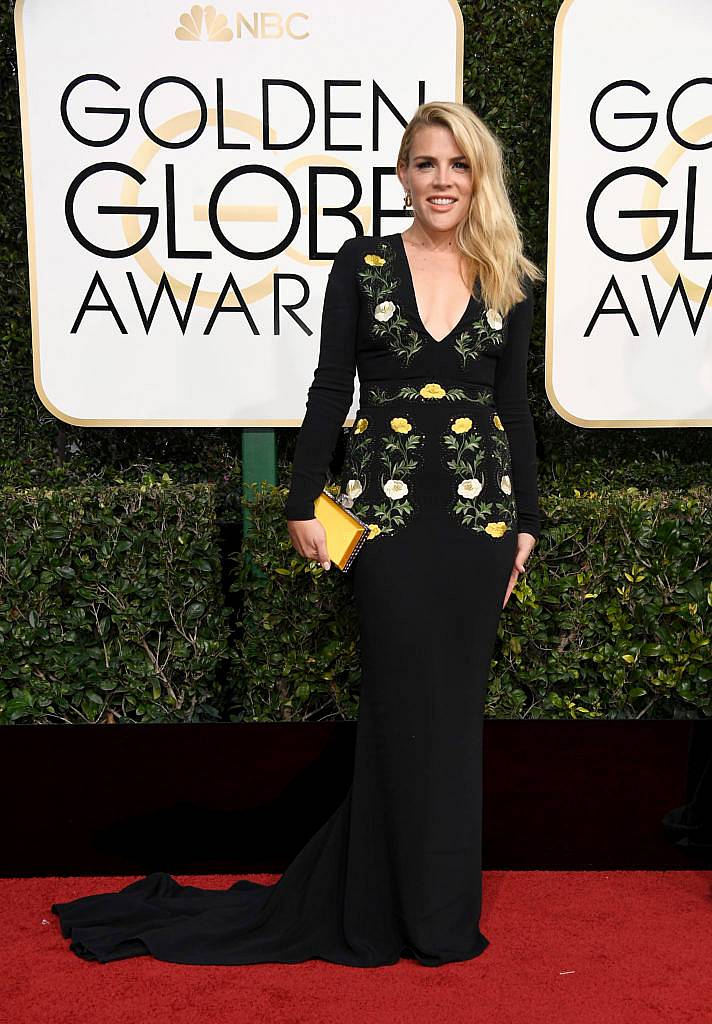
point(488, 237)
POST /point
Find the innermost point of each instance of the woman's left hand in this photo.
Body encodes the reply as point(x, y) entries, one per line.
point(525, 546)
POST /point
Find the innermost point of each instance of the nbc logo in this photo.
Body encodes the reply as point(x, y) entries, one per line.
point(191, 25)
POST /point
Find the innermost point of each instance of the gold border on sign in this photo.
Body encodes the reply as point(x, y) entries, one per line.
point(31, 250)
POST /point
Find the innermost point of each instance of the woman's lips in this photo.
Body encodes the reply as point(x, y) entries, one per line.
point(441, 206)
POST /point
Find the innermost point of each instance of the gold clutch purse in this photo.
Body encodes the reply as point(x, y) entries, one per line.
point(345, 532)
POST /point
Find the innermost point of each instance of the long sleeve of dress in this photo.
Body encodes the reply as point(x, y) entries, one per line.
point(330, 395)
point(513, 407)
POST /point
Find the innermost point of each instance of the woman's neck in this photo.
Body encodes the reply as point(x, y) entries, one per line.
point(435, 241)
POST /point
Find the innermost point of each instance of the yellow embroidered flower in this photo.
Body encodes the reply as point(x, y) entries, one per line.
point(372, 531)
point(360, 425)
point(384, 311)
point(494, 319)
point(432, 391)
point(496, 529)
point(497, 422)
point(401, 425)
point(461, 424)
point(373, 260)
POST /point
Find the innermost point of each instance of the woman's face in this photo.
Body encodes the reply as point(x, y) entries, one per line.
point(437, 168)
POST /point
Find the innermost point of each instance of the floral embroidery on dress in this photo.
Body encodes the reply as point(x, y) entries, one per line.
point(484, 336)
point(367, 479)
point(357, 458)
point(379, 283)
point(433, 390)
point(500, 450)
point(384, 452)
point(470, 463)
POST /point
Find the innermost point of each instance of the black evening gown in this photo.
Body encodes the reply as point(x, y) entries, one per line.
point(441, 463)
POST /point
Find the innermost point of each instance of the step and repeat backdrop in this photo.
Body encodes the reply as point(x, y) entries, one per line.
point(191, 171)
point(629, 276)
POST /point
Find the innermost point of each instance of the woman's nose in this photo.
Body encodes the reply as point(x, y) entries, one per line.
point(442, 177)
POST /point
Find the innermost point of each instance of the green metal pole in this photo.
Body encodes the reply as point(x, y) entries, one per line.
point(259, 463)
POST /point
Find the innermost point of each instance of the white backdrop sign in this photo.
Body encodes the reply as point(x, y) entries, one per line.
point(629, 328)
point(190, 173)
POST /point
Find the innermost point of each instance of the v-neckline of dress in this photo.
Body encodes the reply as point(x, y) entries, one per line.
point(414, 297)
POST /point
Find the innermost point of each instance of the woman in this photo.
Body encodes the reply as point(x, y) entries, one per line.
point(441, 463)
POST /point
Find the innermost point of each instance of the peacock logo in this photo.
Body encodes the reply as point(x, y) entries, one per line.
point(191, 25)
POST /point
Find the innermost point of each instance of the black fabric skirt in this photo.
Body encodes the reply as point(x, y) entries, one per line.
point(396, 869)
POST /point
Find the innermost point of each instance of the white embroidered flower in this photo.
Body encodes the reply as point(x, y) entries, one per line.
point(395, 488)
point(470, 488)
point(494, 319)
point(353, 488)
point(506, 484)
point(345, 500)
point(384, 310)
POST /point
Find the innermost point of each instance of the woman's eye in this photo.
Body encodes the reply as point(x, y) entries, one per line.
point(425, 163)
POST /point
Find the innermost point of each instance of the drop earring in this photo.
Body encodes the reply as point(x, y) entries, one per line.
point(407, 200)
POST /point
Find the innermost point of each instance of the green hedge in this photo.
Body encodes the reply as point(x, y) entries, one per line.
point(296, 652)
point(608, 621)
point(111, 607)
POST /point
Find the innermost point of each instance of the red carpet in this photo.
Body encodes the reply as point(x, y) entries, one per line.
point(622, 947)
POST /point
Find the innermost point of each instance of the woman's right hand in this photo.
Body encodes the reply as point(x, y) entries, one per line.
point(309, 538)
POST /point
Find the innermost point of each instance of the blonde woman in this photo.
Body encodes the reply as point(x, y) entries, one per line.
point(441, 463)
